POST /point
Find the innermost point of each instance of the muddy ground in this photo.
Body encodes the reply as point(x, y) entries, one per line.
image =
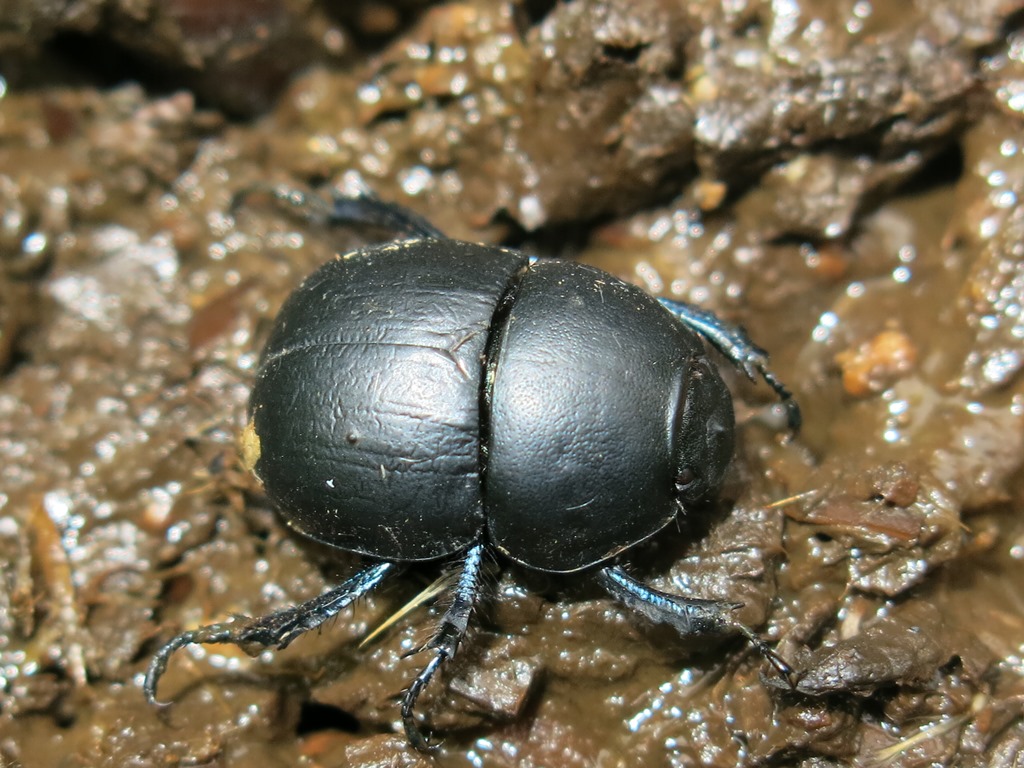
point(845, 179)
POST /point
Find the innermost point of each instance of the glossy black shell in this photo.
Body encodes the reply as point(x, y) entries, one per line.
point(417, 397)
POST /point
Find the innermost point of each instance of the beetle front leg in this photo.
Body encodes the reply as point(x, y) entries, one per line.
point(277, 630)
point(733, 342)
point(445, 641)
point(689, 616)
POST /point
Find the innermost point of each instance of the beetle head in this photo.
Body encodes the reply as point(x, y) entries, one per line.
point(703, 433)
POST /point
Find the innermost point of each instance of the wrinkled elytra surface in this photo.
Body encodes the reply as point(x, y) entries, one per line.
point(437, 399)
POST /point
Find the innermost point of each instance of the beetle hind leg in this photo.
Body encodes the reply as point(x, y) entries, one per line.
point(356, 205)
point(733, 342)
point(364, 208)
point(446, 640)
point(276, 630)
point(690, 617)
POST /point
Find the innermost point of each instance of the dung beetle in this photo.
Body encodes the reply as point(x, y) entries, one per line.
point(432, 399)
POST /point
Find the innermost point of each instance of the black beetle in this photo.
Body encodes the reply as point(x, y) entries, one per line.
point(431, 398)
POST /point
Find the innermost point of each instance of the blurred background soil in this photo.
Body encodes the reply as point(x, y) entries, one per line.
point(845, 179)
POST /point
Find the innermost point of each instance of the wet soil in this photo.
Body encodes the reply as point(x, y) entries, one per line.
point(845, 179)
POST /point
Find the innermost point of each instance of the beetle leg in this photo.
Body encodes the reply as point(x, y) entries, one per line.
point(733, 342)
point(357, 205)
point(366, 209)
point(689, 616)
point(277, 630)
point(445, 641)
